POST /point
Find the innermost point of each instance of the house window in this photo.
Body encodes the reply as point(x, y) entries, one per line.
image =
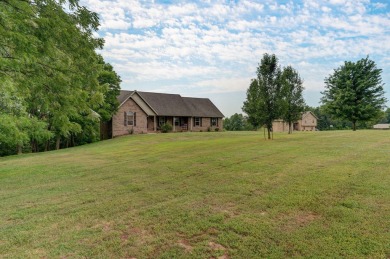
point(130, 119)
point(197, 121)
point(176, 121)
point(214, 121)
point(161, 121)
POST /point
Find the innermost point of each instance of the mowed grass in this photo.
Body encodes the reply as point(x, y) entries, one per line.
point(201, 195)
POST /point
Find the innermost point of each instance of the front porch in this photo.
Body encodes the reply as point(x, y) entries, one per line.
point(179, 123)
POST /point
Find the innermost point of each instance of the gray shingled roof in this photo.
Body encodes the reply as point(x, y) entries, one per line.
point(175, 105)
point(166, 104)
point(123, 96)
point(202, 107)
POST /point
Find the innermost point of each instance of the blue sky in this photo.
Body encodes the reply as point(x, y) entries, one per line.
point(212, 48)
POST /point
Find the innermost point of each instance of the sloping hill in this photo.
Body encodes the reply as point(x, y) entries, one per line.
point(201, 195)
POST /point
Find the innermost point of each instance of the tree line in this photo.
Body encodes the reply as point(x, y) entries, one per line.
point(353, 97)
point(54, 87)
point(325, 121)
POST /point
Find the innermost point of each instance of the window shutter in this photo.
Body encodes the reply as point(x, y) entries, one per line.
point(125, 119)
point(135, 119)
point(194, 122)
point(217, 123)
point(200, 118)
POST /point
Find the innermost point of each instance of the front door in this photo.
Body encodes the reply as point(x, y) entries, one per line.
point(184, 123)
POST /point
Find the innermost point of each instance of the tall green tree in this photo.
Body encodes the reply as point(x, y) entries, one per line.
point(264, 93)
point(292, 101)
point(355, 92)
point(48, 53)
point(252, 104)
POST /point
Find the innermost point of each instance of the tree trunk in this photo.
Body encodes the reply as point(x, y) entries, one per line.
point(289, 128)
point(269, 132)
point(354, 125)
point(20, 151)
point(58, 142)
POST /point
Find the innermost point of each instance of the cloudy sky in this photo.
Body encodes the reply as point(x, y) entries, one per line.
point(212, 48)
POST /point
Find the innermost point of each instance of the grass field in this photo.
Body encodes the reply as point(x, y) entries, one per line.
point(201, 195)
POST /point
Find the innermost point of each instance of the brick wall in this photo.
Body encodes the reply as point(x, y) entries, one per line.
point(206, 124)
point(118, 127)
point(279, 126)
point(309, 123)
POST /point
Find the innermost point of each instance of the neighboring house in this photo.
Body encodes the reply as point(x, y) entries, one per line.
point(143, 112)
point(381, 126)
point(308, 122)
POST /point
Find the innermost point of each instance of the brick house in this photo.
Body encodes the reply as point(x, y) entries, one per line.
point(144, 112)
point(308, 122)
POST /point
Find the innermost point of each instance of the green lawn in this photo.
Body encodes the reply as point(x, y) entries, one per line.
point(201, 195)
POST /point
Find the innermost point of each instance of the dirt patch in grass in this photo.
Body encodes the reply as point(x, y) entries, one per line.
point(139, 236)
point(229, 209)
point(106, 226)
point(216, 246)
point(220, 248)
point(186, 245)
point(298, 220)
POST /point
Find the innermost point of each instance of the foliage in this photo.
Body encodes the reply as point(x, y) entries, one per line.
point(252, 104)
point(146, 196)
point(326, 121)
point(110, 81)
point(292, 99)
point(354, 92)
point(166, 127)
point(237, 122)
point(385, 117)
point(264, 94)
point(50, 75)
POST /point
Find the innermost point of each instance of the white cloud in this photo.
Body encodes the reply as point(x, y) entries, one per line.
point(217, 45)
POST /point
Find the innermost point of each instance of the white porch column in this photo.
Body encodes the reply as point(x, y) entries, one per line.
point(155, 123)
point(191, 121)
point(173, 122)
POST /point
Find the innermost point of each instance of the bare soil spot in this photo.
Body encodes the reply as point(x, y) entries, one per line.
point(124, 237)
point(140, 236)
point(216, 246)
point(298, 220)
point(228, 209)
point(185, 244)
point(304, 219)
point(105, 226)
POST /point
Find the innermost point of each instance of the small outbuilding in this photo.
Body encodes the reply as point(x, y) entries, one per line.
point(382, 126)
